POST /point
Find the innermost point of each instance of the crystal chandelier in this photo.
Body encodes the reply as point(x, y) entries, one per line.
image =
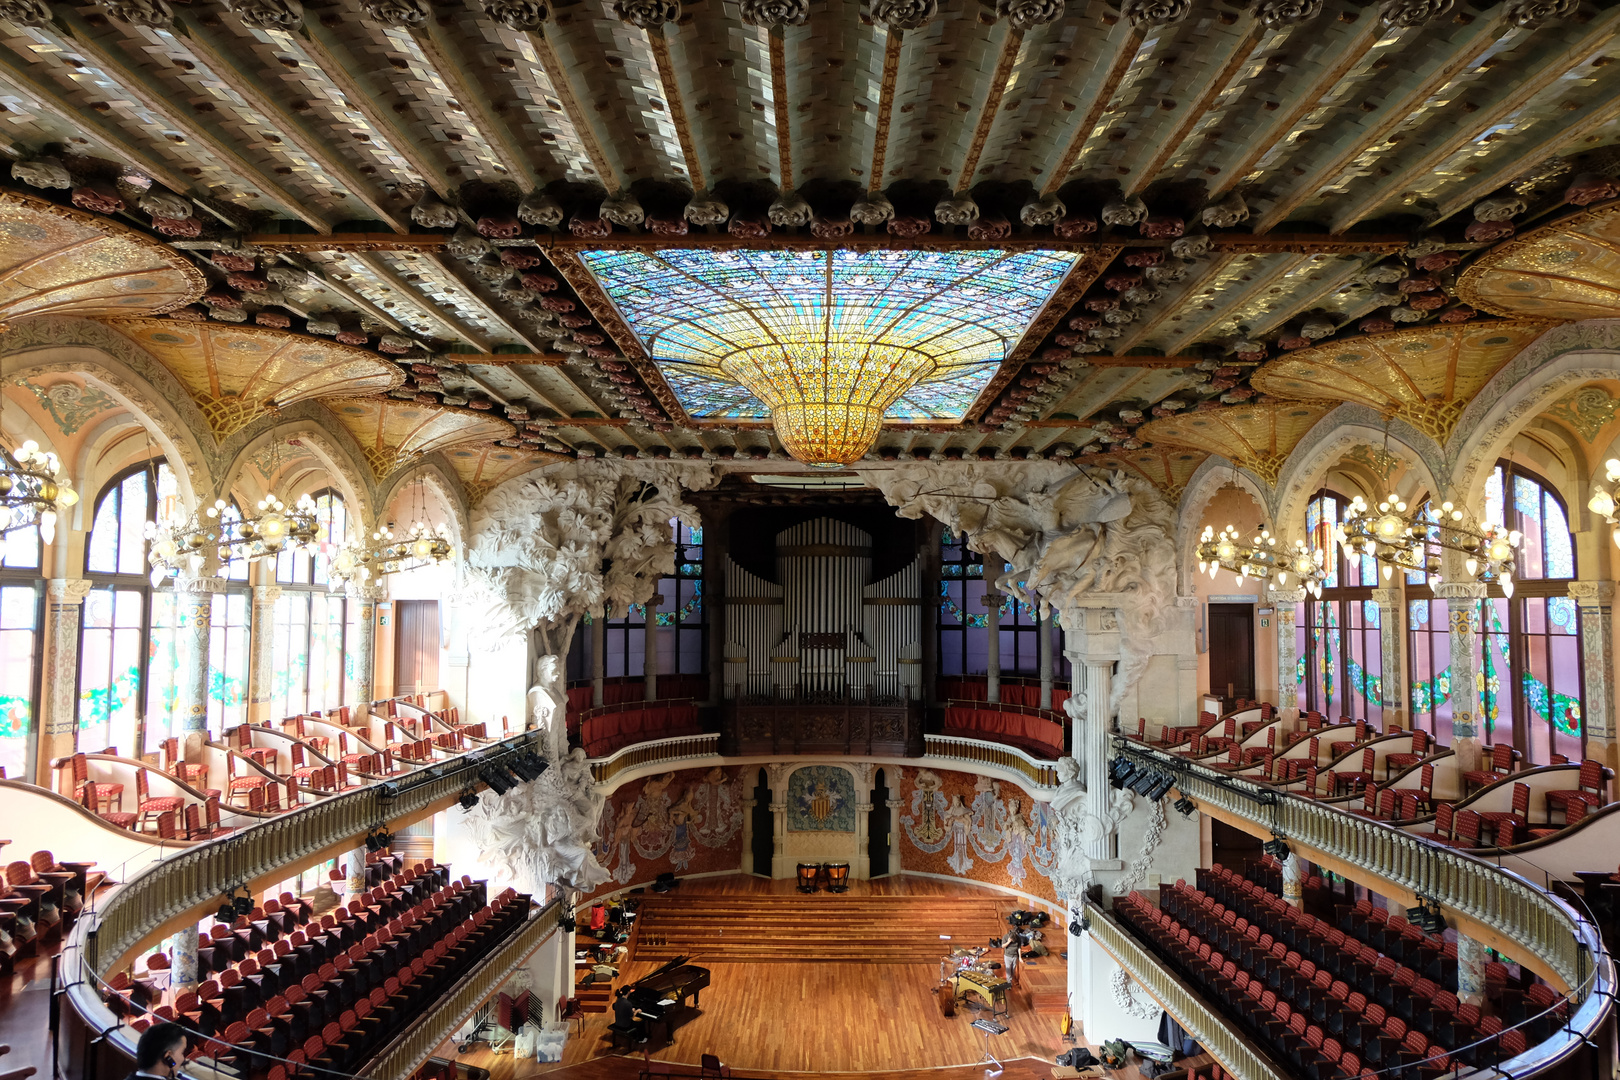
point(34, 488)
point(1260, 558)
point(1400, 539)
point(178, 547)
point(388, 552)
point(827, 397)
point(1602, 502)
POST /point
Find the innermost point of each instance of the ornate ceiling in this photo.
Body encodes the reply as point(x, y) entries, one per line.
point(412, 189)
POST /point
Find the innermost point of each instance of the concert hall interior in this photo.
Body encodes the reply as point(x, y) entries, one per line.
point(771, 538)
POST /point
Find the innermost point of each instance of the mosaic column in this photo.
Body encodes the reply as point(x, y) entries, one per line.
point(992, 658)
point(649, 661)
point(1391, 648)
point(1596, 601)
point(1462, 622)
point(354, 873)
point(60, 728)
point(359, 657)
point(1285, 618)
point(194, 617)
point(1470, 971)
point(1293, 880)
point(1043, 639)
point(262, 662)
point(183, 961)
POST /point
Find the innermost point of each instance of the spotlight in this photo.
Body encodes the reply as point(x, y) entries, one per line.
point(1078, 923)
point(1161, 786)
point(468, 800)
point(498, 780)
point(1276, 848)
point(1119, 771)
point(390, 790)
point(371, 842)
point(536, 762)
point(226, 912)
point(1145, 780)
point(243, 904)
point(1426, 917)
point(1186, 807)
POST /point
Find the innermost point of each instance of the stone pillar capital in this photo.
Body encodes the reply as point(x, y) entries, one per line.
point(369, 594)
point(266, 594)
point(199, 586)
point(1592, 593)
point(1389, 598)
point(1287, 596)
point(1461, 590)
point(68, 590)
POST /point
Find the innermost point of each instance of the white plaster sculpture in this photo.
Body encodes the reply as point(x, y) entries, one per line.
point(541, 832)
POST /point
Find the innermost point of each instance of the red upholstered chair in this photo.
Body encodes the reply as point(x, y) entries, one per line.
point(1495, 819)
point(1574, 810)
point(108, 795)
point(241, 785)
point(1588, 788)
point(1394, 763)
point(1353, 778)
point(148, 808)
point(1501, 764)
point(88, 800)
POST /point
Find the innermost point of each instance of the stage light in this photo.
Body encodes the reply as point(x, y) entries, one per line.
point(226, 912)
point(1162, 787)
point(1186, 807)
point(1426, 917)
point(371, 842)
point(1276, 848)
point(243, 904)
point(468, 800)
point(497, 780)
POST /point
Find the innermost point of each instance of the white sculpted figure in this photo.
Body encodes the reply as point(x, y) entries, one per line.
point(541, 832)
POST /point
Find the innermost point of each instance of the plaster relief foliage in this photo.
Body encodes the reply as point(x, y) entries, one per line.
point(1081, 830)
point(1068, 536)
point(541, 832)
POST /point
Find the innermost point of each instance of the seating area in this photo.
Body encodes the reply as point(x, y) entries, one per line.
point(1364, 993)
point(1013, 691)
point(285, 992)
point(1030, 730)
point(40, 896)
point(612, 727)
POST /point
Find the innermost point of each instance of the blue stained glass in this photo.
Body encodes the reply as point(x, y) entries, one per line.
point(694, 307)
point(1527, 500)
point(1369, 613)
point(1561, 609)
point(1493, 499)
point(1559, 552)
point(1420, 612)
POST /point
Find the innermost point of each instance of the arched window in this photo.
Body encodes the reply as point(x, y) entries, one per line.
point(127, 638)
point(1340, 657)
point(229, 630)
point(311, 624)
point(21, 618)
point(964, 634)
point(1530, 652)
point(680, 619)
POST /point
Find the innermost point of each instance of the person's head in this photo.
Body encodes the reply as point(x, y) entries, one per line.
point(162, 1049)
point(623, 991)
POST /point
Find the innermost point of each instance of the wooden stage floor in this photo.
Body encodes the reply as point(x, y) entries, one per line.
point(821, 1017)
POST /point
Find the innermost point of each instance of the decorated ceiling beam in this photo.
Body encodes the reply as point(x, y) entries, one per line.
point(1243, 54)
point(159, 100)
point(675, 101)
point(894, 41)
point(1011, 44)
point(557, 73)
point(1517, 94)
point(449, 65)
point(1127, 52)
point(1394, 113)
point(434, 312)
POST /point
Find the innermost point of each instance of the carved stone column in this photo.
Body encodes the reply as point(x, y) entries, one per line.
point(1043, 650)
point(361, 660)
point(1470, 971)
point(649, 661)
point(194, 617)
point(1285, 619)
point(1093, 648)
point(1596, 601)
point(262, 661)
point(353, 865)
point(992, 656)
point(778, 776)
point(599, 658)
point(1391, 648)
point(894, 806)
point(862, 867)
point(61, 670)
point(1462, 621)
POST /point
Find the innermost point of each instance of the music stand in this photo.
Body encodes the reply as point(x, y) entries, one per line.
point(989, 1028)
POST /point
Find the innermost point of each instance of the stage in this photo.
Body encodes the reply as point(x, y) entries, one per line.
point(782, 1015)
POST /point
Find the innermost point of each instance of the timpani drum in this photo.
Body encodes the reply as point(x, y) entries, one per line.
point(807, 876)
point(837, 877)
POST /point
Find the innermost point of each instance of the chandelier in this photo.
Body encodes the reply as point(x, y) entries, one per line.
point(34, 488)
point(1401, 539)
point(1602, 502)
point(827, 398)
point(179, 547)
point(1261, 559)
point(388, 552)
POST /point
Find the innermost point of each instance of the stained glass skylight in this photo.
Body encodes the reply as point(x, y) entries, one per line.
point(694, 308)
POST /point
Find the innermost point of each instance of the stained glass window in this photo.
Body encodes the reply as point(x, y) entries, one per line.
point(310, 624)
point(964, 622)
point(228, 660)
point(693, 308)
point(19, 667)
point(680, 618)
point(1340, 657)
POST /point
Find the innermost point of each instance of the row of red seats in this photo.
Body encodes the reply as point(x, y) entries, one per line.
point(603, 733)
point(1034, 733)
point(1011, 693)
point(38, 894)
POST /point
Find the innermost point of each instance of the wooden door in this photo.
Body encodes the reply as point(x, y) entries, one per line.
point(877, 829)
point(1231, 651)
point(416, 646)
point(764, 827)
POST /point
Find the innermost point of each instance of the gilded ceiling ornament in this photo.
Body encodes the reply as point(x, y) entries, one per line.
point(622, 209)
point(789, 209)
point(1227, 213)
point(1501, 208)
point(647, 14)
point(25, 12)
point(1530, 14)
point(1275, 13)
point(42, 172)
point(1023, 14)
point(957, 210)
point(70, 404)
point(430, 212)
point(1144, 13)
point(396, 12)
point(268, 14)
point(1044, 211)
point(775, 12)
point(705, 209)
point(162, 203)
point(99, 197)
point(904, 14)
point(1404, 13)
point(1588, 410)
point(1589, 188)
point(1191, 246)
point(1129, 210)
point(141, 12)
point(874, 209)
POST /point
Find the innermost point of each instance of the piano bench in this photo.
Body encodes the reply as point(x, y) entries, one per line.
point(625, 1033)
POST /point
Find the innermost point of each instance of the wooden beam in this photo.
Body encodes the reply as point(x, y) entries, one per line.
point(389, 277)
point(159, 100)
point(510, 359)
point(658, 41)
point(558, 75)
point(1242, 54)
point(1010, 47)
point(1395, 113)
point(1125, 55)
point(776, 46)
point(1599, 33)
point(892, 45)
point(206, 47)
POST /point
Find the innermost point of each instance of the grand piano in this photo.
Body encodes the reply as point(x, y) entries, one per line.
point(661, 996)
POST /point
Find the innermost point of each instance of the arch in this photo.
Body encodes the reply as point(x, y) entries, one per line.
point(343, 468)
point(434, 472)
point(1212, 474)
point(1563, 357)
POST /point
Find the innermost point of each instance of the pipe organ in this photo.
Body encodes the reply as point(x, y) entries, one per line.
point(823, 657)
